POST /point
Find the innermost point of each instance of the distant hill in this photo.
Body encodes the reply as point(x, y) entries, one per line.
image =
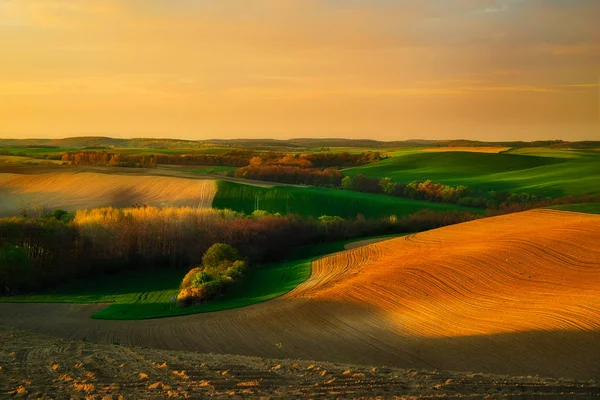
point(298, 143)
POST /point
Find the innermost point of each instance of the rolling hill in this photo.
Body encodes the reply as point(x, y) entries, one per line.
point(313, 201)
point(514, 294)
point(511, 171)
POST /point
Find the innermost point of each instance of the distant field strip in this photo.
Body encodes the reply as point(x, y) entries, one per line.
point(482, 149)
point(516, 294)
point(73, 191)
point(536, 171)
point(312, 201)
point(590, 208)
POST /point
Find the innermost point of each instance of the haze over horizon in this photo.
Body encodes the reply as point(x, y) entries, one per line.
point(381, 69)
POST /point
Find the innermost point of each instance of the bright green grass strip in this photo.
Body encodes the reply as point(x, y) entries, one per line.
point(590, 208)
point(312, 201)
point(147, 294)
point(549, 152)
point(544, 176)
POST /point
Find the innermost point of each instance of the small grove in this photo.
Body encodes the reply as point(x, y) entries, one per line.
point(36, 253)
point(221, 265)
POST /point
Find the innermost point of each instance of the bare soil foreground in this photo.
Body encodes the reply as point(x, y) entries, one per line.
point(71, 190)
point(39, 367)
point(516, 294)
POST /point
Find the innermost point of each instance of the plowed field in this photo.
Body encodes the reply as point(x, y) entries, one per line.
point(515, 294)
point(73, 191)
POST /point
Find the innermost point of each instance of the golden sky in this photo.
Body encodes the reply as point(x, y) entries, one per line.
point(381, 69)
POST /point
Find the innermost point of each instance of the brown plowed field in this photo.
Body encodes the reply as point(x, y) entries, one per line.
point(39, 367)
point(71, 191)
point(516, 294)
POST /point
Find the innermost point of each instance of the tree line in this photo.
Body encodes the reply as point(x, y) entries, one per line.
point(104, 158)
point(291, 175)
point(316, 169)
point(459, 195)
point(41, 252)
point(234, 158)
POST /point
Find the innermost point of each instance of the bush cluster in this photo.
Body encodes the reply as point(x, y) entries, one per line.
point(317, 169)
point(221, 265)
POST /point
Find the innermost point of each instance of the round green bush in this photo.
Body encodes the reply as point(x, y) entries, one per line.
point(219, 256)
point(201, 278)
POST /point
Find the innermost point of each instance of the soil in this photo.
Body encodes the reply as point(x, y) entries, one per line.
point(516, 294)
point(41, 367)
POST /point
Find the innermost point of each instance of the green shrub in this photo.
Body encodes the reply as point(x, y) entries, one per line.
point(63, 215)
point(191, 296)
point(236, 269)
point(215, 288)
point(187, 279)
point(201, 278)
point(219, 257)
point(328, 219)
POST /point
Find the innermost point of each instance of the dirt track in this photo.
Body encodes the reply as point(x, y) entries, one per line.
point(514, 294)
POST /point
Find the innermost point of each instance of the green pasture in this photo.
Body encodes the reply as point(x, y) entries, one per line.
point(41, 151)
point(209, 169)
point(313, 201)
point(551, 152)
point(146, 294)
point(34, 151)
point(544, 175)
point(171, 151)
point(590, 208)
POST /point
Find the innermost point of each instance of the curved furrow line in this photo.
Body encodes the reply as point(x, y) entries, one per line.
point(502, 294)
point(453, 284)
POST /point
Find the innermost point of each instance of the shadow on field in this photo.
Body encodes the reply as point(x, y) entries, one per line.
point(322, 331)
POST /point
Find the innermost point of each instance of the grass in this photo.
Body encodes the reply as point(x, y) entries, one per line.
point(40, 151)
point(312, 201)
point(34, 151)
point(590, 208)
point(551, 152)
point(209, 169)
point(544, 174)
point(146, 294)
point(171, 151)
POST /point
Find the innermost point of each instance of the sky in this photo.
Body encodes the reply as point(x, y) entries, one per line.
point(378, 69)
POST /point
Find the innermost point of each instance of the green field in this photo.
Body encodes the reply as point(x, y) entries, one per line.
point(35, 151)
point(147, 294)
point(550, 173)
point(173, 151)
point(209, 169)
point(312, 201)
point(552, 152)
point(41, 151)
point(590, 208)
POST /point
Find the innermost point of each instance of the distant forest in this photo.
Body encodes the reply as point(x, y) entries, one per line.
point(300, 143)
